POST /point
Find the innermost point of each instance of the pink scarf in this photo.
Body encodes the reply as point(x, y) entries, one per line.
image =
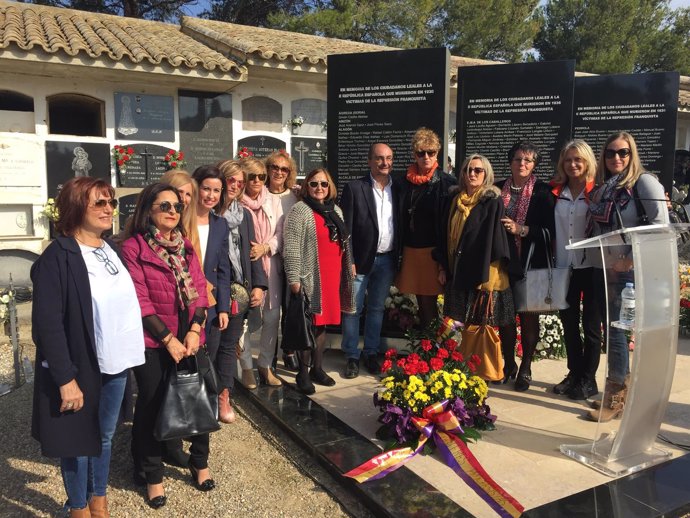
point(522, 202)
point(262, 225)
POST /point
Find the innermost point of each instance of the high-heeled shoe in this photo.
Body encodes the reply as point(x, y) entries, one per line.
point(156, 502)
point(267, 378)
point(304, 384)
point(522, 382)
point(290, 361)
point(510, 374)
point(206, 485)
point(319, 376)
point(248, 379)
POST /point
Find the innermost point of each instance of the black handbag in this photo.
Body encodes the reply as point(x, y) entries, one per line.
point(186, 408)
point(298, 333)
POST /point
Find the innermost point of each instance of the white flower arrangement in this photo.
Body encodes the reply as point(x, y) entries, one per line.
point(551, 344)
point(296, 121)
point(50, 210)
point(401, 308)
point(4, 309)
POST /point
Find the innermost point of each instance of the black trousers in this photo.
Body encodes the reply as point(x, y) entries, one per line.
point(146, 449)
point(221, 346)
point(583, 354)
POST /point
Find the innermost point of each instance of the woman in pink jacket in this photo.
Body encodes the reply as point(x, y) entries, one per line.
point(171, 289)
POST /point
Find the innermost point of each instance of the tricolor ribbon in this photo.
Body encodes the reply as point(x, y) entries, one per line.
point(443, 426)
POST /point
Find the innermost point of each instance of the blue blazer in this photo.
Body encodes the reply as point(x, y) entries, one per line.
point(217, 266)
point(359, 210)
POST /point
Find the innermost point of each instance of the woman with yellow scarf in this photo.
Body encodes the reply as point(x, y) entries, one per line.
point(475, 256)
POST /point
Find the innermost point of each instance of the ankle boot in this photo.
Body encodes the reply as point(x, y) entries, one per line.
point(248, 379)
point(80, 513)
point(612, 405)
point(267, 377)
point(225, 412)
point(596, 405)
point(98, 505)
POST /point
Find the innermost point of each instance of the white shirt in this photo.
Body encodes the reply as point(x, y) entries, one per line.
point(383, 199)
point(117, 324)
point(203, 239)
point(571, 221)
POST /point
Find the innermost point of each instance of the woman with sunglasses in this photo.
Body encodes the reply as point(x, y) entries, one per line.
point(318, 262)
point(267, 216)
point(243, 271)
point(528, 204)
point(88, 334)
point(571, 187)
point(475, 256)
point(171, 289)
point(421, 192)
point(282, 175)
point(624, 191)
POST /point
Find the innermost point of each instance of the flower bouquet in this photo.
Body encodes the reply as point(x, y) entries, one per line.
point(122, 155)
point(50, 211)
point(244, 153)
point(175, 159)
point(550, 344)
point(432, 393)
point(296, 121)
point(684, 278)
point(401, 309)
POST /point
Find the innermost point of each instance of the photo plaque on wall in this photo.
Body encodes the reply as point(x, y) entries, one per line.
point(144, 117)
point(205, 127)
point(65, 160)
point(400, 92)
point(644, 105)
point(499, 105)
point(261, 145)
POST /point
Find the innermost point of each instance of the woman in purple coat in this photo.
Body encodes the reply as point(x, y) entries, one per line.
point(172, 295)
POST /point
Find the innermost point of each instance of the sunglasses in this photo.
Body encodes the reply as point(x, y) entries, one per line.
point(611, 153)
point(110, 266)
point(233, 181)
point(526, 160)
point(275, 169)
point(476, 170)
point(430, 152)
point(253, 176)
point(100, 204)
point(314, 185)
point(165, 206)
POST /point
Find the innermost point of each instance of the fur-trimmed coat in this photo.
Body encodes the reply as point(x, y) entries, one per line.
point(300, 256)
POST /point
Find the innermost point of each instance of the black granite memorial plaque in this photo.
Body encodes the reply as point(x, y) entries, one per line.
point(384, 97)
point(125, 208)
point(309, 153)
point(65, 160)
point(205, 127)
point(144, 117)
point(644, 105)
point(261, 145)
point(146, 166)
point(499, 105)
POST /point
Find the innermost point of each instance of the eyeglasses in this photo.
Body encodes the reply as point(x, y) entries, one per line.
point(233, 181)
point(476, 170)
point(275, 169)
point(253, 176)
point(110, 266)
point(100, 204)
point(422, 152)
point(165, 206)
point(611, 153)
point(314, 185)
point(523, 159)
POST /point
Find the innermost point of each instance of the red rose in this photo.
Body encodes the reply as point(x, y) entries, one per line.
point(171, 152)
point(130, 150)
point(436, 364)
point(425, 344)
point(472, 367)
point(411, 369)
point(413, 358)
point(423, 367)
point(476, 359)
point(442, 353)
point(451, 344)
point(387, 364)
point(180, 155)
point(120, 162)
point(401, 362)
point(391, 353)
point(126, 158)
point(173, 164)
point(456, 356)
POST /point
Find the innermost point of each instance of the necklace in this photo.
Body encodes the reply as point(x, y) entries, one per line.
point(99, 245)
point(516, 190)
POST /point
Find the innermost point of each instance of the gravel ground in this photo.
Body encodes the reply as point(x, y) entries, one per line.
point(257, 468)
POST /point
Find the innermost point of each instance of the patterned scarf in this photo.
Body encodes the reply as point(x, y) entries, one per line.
point(417, 178)
point(172, 252)
point(460, 211)
point(605, 198)
point(262, 225)
point(234, 216)
point(522, 204)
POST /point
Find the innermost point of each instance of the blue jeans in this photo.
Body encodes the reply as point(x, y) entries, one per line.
point(376, 286)
point(86, 476)
point(617, 348)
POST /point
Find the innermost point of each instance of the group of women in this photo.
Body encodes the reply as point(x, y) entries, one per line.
point(207, 258)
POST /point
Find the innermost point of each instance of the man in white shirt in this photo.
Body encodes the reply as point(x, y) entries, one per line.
point(369, 206)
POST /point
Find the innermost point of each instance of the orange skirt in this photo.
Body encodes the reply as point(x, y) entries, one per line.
point(418, 273)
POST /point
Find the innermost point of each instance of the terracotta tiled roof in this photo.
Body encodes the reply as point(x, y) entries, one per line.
point(58, 30)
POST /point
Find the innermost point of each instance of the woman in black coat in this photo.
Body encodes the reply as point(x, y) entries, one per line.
point(529, 206)
point(87, 329)
point(243, 271)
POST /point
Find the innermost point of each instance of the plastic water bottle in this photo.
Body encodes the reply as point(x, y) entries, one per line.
point(627, 315)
